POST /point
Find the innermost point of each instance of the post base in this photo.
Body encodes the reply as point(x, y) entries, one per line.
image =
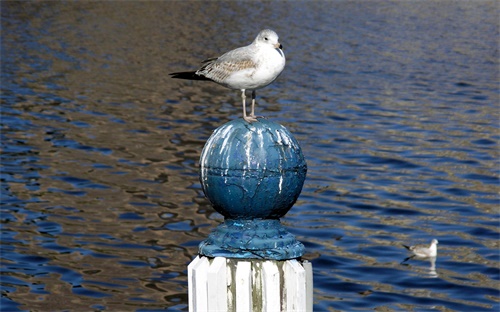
point(223, 285)
point(252, 239)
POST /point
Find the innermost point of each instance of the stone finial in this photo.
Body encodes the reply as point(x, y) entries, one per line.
point(252, 173)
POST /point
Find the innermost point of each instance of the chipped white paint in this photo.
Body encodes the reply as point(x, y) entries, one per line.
point(281, 183)
point(248, 149)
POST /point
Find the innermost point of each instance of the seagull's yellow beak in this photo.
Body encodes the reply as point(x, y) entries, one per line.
point(278, 46)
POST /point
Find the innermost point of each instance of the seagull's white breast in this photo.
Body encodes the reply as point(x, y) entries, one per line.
point(268, 63)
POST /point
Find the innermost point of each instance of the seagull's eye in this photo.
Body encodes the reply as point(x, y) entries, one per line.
point(265, 38)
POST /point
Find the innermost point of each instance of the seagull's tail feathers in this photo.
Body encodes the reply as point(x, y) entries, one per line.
point(188, 75)
point(407, 247)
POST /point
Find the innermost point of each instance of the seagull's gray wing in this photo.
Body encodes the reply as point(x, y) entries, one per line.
point(218, 69)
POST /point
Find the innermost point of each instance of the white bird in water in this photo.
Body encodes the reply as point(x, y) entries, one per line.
point(424, 251)
point(247, 68)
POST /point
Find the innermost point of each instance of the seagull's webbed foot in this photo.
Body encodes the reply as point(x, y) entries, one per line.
point(253, 116)
point(250, 119)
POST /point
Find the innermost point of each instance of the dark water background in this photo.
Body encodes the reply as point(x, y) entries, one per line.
point(395, 105)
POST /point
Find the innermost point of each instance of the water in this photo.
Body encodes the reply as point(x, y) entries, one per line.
point(395, 105)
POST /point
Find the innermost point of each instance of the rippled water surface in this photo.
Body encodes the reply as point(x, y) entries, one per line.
point(395, 105)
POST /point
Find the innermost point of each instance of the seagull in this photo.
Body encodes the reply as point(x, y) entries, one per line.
point(247, 68)
point(424, 251)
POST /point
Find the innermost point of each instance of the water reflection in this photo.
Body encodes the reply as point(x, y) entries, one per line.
point(432, 264)
point(395, 106)
point(432, 268)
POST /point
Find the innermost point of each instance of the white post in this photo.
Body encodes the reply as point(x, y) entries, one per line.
point(309, 285)
point(295, 286)
point(216, 284)
point(243, 282)
point(197, 280)
point(259, 285)
point(271, 287)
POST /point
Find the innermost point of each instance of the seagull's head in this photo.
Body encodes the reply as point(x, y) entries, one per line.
point(434, 242)
point(268, 37)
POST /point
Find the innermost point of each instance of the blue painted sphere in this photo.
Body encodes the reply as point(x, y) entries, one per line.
point(252, 170)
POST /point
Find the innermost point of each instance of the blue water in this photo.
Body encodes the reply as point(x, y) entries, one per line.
point(395, 106)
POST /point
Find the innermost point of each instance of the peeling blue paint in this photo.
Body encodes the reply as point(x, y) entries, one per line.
point(252, 174)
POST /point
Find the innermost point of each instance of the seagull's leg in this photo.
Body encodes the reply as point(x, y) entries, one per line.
point(250, 118)
point(409, 258)
point(253, 106)
point(243, 97)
